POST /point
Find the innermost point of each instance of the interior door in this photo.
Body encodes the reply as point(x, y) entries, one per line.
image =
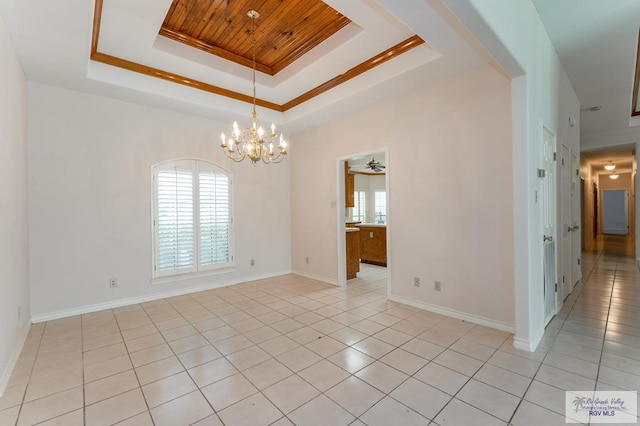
point(548, 206)
point(583, 214)
point(566, 229)
point(576, 219)
point(615, 211)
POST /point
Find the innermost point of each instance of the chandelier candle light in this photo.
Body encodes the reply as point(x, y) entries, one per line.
point(251, 143)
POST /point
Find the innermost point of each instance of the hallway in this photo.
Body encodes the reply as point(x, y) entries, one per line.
point(594, 342)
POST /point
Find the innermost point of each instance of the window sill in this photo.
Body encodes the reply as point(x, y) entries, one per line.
point(169, 279)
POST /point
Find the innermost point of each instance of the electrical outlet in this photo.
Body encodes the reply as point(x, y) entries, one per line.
point(113, 283)
point(437, 285)
point(416, 281)
point(307, 260)
point(253, 262)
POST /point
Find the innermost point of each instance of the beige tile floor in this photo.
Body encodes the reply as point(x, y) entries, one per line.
point(290, 350)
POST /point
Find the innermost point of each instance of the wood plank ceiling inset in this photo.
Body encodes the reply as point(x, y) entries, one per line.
point(285, 31)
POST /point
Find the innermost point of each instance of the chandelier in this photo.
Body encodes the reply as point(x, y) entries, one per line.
point(252, 143)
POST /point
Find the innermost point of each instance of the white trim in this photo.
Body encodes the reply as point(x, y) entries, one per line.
point(317, 278)
point(487, 322)
point(168, 279)
point(13, 359)
point(528, 345)
point(148, 298)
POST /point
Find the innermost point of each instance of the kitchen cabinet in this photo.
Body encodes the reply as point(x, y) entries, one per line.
point(353, 252)
point(373, 244)
point(349, 186)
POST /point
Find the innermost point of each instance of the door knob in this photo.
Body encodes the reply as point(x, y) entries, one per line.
point(548, 238)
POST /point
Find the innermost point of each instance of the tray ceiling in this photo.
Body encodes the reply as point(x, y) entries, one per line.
point(284, 31)
point(319, 59)
point(291, 36)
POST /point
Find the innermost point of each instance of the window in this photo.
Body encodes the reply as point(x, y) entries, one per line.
point(359, 206)
point(380, 206)
point(191, 217)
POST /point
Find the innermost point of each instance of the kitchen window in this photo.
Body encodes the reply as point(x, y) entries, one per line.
point(359, 206)
point(191, 217)
point(380, 207)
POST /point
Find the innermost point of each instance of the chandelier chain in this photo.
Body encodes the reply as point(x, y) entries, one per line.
point(253, 57)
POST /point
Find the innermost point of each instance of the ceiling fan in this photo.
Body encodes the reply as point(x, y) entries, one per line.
point(373, 165)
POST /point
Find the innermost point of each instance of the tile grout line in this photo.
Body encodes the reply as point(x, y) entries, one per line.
point(33, 365)
point(133, 368)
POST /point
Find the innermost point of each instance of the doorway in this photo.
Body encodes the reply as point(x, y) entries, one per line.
point(548, 210)
point(364, 221)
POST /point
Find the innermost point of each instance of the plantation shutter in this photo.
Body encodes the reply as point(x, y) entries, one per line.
point(215, 216)
point(175, 219)
point(191, 217)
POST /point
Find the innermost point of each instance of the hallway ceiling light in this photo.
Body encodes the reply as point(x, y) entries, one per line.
point(610, 166)
point(251, 142)
point(613, 176)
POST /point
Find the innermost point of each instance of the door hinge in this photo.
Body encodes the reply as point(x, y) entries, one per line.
point(578, 261)
point(563, 279)
point(562, 161)
point(554, 157)
point(541, 173)
point(556, 287)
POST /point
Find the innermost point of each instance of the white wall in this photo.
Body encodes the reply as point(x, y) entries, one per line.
point(90, 207)
point(14, 237)
point(541, 95)
point(450, 211)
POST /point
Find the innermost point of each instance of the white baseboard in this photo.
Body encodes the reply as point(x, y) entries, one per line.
point(147, 298)
point(487, 322)
point(528, 345)
point(15, 355)
point(317, 278)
